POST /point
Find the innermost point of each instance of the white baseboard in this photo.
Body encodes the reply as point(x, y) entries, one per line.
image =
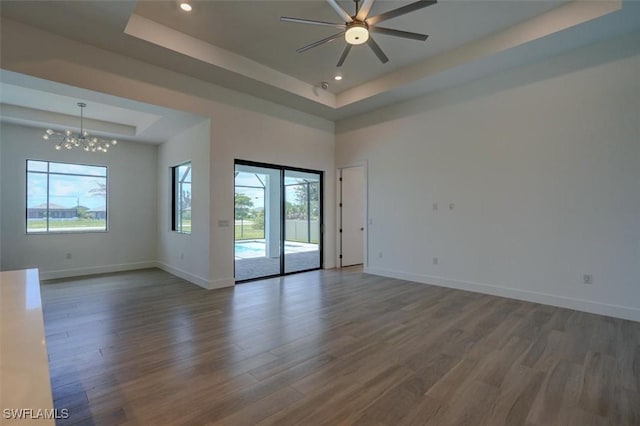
point(225, 282)
point(192, 278)
point(617, 311)
point(93, 270)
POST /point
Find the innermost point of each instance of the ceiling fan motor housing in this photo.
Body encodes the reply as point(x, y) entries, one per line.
point(357, 33)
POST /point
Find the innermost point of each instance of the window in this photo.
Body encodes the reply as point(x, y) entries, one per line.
point(181, 198)
point(64, 197)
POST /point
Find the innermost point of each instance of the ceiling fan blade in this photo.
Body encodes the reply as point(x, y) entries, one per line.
point(400, 11)
point(376, 49)
point(345, 52)
point(320, 42)
point(309, 21)
point(340, 11)
point(398, 33)
point(364, 10)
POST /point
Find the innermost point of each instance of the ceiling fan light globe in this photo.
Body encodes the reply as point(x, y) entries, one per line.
point(356, 34)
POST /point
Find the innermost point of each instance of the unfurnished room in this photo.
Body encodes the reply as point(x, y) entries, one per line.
point(320, 212)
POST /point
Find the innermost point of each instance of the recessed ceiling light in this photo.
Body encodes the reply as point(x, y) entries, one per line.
point(185, 6)
point(337, 77)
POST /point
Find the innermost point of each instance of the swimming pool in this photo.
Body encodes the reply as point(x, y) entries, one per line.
point(256, 248)
point(250, 248)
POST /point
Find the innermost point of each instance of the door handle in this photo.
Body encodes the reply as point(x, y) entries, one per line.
point(362, 229)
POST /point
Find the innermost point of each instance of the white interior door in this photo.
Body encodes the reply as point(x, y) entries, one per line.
point(352, 216)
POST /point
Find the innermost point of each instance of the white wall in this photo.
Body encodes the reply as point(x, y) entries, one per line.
point(248, 135)
point(186, 255)
point(130, 242)
point(242, 126)
point(542, 164)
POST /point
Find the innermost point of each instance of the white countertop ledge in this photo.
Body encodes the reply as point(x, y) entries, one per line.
point(25, 385)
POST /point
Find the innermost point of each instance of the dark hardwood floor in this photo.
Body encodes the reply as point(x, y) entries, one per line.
point(330, 347)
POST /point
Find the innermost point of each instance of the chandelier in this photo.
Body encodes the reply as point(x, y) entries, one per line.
point(69, 140)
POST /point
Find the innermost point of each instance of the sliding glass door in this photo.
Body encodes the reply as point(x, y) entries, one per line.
point(302, 221)
point(257, 221)
point(278, 220)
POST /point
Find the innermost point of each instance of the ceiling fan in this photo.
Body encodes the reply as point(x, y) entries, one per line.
point(356, 28)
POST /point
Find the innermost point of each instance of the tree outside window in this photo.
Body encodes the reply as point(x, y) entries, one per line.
point(181, 198)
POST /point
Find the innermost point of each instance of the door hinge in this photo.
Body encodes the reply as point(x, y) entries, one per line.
point(340, 229)
point(340, 179)
point(340, 256)
point(340, 204)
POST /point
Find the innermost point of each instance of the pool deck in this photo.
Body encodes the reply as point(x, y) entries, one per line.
point(298, 257)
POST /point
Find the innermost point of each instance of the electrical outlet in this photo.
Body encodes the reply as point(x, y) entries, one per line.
point(435, 260)
point(380, 255)
point(434, 206)
point(181, 256)
point(587, 279)
point(67, 256)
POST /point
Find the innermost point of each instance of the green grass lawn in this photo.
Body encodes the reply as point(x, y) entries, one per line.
point(37, 224)
point(248, 232)
point(186, 226)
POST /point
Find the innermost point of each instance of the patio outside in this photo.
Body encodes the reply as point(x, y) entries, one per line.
point(258, 222)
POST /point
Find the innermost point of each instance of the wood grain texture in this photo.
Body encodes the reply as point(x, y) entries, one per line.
point(330, 348)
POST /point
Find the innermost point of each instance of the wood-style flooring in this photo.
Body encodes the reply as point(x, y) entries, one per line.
point(330, 347)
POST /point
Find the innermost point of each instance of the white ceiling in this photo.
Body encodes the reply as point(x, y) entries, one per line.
point(242, 45)
point(253, 29)
point(38, 103)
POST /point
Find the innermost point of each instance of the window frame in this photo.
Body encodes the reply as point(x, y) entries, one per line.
point(48, 173)
point(175, 198)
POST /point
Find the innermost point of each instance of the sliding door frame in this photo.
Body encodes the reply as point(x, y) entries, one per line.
point(283, 217)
